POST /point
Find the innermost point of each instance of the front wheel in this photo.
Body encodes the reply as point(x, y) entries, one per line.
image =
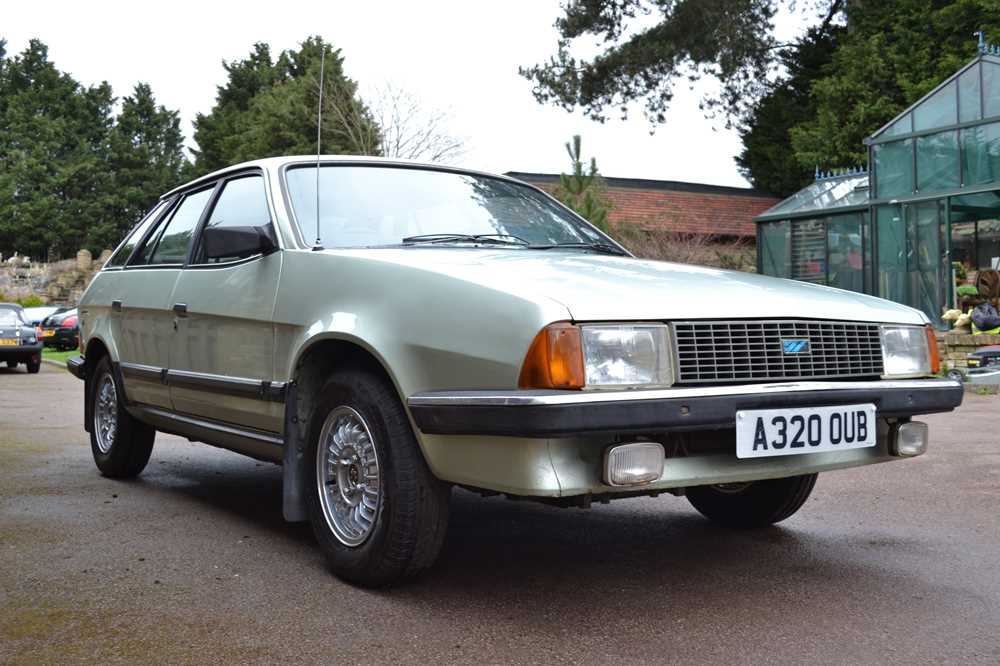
point(754, 504)
point(377, 511)
point(120, 443)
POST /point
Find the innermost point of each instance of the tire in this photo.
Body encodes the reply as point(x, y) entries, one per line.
point(11, 364)
point(756, 504)
point(402, 536)
point(34, 366)
point(956, 375)
point(121, 444)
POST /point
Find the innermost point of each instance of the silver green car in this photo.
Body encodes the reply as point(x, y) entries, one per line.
point(388, 330)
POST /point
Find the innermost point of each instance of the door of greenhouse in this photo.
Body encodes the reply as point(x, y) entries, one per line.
point(927, 257)
point(912, 256)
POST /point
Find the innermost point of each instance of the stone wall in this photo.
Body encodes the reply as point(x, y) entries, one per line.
point(60, 282)
point(954, 347)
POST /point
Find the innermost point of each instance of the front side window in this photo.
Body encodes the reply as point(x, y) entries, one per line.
point(172, 244)
point(242, 203)
point(125, 250)
point(365, 206)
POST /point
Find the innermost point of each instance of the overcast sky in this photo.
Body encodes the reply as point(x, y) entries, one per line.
point(462, 56)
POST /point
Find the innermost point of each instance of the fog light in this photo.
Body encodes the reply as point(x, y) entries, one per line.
point(633, 464)
point(911, 439)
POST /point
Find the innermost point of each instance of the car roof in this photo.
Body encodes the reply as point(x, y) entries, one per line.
point(272, 163)
point(12, 306)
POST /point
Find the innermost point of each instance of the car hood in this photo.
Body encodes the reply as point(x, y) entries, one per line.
point(597, 287)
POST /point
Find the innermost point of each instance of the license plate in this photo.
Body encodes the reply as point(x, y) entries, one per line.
point(761, 433)
point(7, 342)
point(48, 334)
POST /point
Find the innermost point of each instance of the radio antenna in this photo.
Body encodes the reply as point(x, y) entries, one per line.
point(319, 133)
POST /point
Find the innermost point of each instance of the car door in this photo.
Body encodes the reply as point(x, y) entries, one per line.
point(105, 296)
point(147, 285)
point(221, 357)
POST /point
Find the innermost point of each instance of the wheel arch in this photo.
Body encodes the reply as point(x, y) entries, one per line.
point(314, 363)
point(321, 356)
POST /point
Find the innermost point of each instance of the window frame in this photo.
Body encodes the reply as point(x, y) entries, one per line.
point(156, 234)
point(141, 241)
point(220, 185)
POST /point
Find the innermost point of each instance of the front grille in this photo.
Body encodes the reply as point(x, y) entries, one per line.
point(729, 351)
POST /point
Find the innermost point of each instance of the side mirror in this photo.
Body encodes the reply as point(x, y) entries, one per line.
point(237, 242)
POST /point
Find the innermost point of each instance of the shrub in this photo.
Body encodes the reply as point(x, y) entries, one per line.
point(30, 301)
point(685, 248)
point(967, 290)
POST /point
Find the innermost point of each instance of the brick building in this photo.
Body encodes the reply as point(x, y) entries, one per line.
point(694, 208)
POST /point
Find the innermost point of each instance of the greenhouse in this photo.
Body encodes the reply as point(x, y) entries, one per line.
point(921, 220)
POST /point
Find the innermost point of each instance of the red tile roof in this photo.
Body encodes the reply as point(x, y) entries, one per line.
point(684, 207)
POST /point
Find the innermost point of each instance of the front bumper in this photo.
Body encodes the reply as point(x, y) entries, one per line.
point(19, 353)
point(522, 413)
point(77, 367)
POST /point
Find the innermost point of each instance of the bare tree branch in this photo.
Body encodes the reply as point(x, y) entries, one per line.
point(410, 129)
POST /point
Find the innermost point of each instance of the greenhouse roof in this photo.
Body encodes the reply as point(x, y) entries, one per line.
point(969, 95)
point(828, 194)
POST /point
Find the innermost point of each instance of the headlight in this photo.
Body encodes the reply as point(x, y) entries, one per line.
point(566, 356)
point(620, 355)
point(909, 351)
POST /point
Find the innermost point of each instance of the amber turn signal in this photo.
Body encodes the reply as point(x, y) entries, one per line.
point(932, 347)
point(554, 360)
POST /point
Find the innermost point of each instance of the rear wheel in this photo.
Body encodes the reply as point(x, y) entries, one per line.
point(754, 504)
point(121, 444)
point(34, 364)
point(378, 512)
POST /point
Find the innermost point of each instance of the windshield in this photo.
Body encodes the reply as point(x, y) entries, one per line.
point(363, 206)
point(9, 317)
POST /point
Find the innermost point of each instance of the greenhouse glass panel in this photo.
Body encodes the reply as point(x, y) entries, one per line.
point(969, 103)
point(902, 126)
point(937, 161)
point(774, 248)
point(845, 243)
point(894, 168)
point(808, 240)
point(926, 260)
point(981, 153)
point(850, 190)
point(891, 253)
point(991, 89)
point(939, 110)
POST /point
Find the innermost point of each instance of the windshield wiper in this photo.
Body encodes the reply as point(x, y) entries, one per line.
point(605, 248)
point(496, 239)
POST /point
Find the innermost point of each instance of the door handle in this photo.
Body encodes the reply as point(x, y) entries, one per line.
point(181, 309)
point(116, 306)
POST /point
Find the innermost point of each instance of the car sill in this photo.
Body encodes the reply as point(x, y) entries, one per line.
point(254, 443)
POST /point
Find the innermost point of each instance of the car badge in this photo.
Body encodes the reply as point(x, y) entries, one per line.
point(795, 345)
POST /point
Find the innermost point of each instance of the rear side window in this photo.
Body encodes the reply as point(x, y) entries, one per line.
point(242, 203)
point(125, 250)
point(171, 246)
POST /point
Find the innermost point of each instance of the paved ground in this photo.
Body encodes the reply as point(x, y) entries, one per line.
point(192, 563)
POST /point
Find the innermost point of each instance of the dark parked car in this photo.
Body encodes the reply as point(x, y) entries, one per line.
point(35, 316)
point(985, 357)
point(18, 342)
point(61, 330)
